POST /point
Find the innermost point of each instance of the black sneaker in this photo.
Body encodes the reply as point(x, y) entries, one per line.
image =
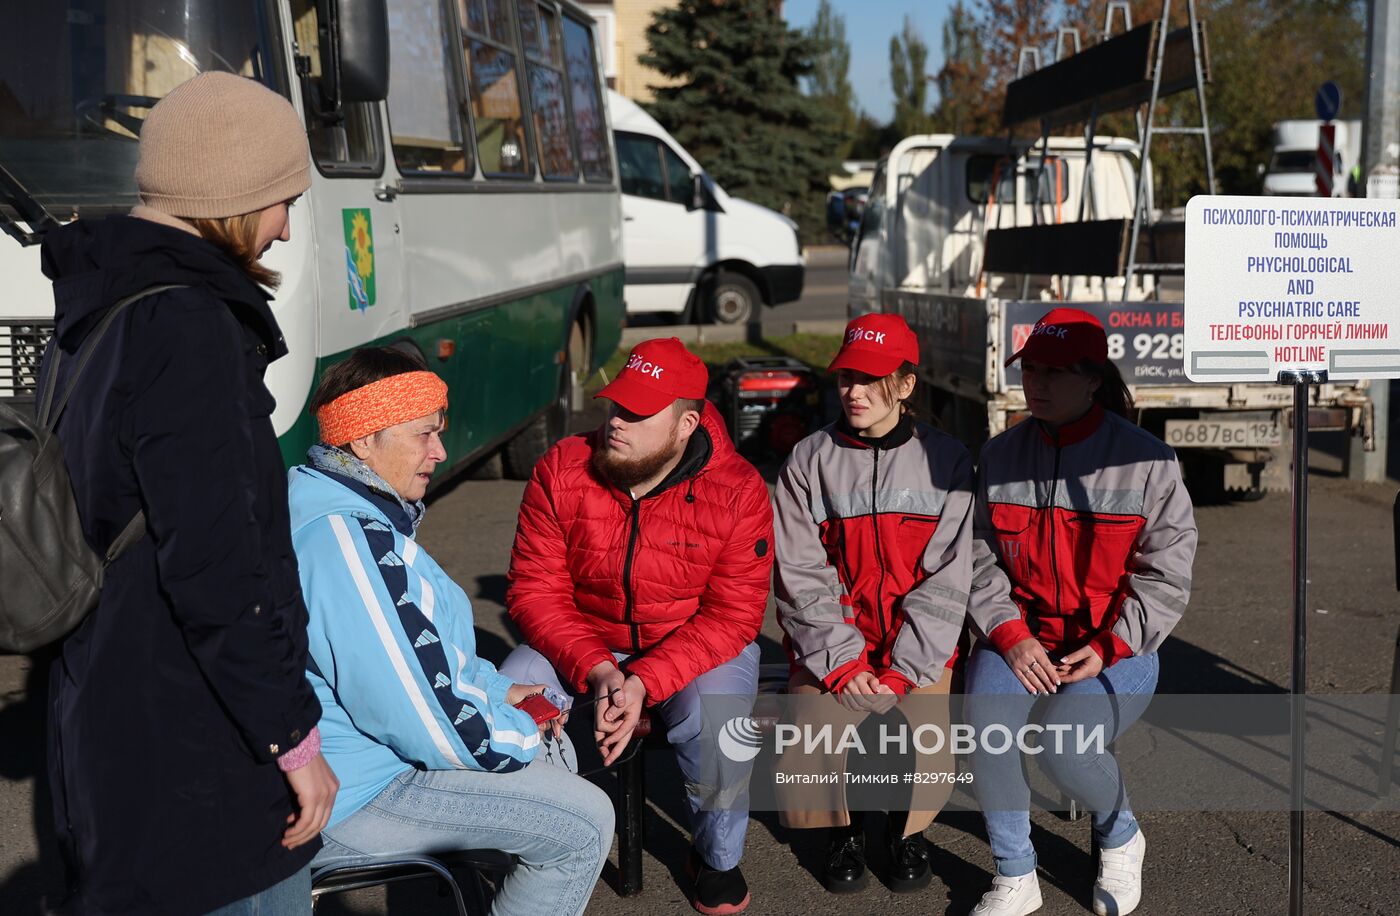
point(909, 869)
point(844, 869)
point(717, 893)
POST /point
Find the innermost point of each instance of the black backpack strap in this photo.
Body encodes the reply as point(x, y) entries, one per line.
point(48, 413)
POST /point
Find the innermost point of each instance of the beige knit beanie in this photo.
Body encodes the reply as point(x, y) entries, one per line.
point(220, 145)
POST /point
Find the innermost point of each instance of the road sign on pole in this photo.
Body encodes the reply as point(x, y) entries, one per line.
point(1328, 101)
point(1300, 292)
point(1291, 283)
point(1326, 165)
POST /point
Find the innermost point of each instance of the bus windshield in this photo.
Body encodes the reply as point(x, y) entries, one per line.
point(77, 79)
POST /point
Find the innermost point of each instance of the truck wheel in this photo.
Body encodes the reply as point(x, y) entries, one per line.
point(733, 299)
point(519, 455)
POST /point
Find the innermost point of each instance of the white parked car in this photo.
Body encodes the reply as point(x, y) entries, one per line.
point(691, 250)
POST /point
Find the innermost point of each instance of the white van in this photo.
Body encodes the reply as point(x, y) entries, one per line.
point(690, 249)
point(1293, 165)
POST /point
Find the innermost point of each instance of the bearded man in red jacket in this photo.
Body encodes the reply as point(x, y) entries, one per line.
point(640, 575)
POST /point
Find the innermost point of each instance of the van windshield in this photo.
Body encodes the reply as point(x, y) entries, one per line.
point(77, 79)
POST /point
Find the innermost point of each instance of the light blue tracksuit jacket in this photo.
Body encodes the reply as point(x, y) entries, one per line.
point(393, 651)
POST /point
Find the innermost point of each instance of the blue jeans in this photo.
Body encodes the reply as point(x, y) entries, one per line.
point(558, 826)
point(291, 897)
point(1114, 700)
point(718, 818)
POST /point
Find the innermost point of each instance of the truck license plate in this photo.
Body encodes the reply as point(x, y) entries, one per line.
point(1223, 434)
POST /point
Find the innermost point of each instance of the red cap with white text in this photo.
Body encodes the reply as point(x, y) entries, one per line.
point(658, 372)
point(1063, 337)
point(877, 345)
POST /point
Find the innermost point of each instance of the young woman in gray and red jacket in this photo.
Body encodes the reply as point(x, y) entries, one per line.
point(1084, 539)
point(874, 563)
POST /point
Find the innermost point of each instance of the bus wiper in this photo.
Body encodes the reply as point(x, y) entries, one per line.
point(30, 211)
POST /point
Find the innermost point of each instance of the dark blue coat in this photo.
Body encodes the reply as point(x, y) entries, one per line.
point(172, 701)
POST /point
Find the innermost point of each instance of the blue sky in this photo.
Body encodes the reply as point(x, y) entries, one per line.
point(869, 26)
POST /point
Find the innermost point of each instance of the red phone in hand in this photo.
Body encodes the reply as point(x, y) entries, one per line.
point(538, 708)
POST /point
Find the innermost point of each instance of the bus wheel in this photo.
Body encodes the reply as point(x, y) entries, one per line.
point(519, 455)
point(733, 299)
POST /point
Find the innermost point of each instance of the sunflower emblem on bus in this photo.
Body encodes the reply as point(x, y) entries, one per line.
point(359, 257)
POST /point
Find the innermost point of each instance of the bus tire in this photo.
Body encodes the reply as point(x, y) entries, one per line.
point(734, 299)
point(528, 446)
point(488, 468)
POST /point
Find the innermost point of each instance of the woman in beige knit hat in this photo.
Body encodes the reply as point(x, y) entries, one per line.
point(186, 758)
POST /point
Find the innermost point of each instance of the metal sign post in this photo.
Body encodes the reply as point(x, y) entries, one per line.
point(1301, 380)
point(1299, 292)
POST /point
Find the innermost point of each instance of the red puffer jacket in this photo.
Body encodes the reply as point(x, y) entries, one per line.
point(679, 578)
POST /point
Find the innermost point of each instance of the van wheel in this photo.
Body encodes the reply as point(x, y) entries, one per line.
point(519, 455)
point(733, 299)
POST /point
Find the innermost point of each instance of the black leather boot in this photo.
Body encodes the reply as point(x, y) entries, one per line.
point(844, 869)
point(909, 868)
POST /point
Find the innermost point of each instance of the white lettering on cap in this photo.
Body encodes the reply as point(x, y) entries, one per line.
point(862, 334)
point(644, 366)
point(1050, 330)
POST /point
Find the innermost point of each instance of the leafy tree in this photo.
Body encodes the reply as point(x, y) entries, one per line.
point(737, 107)
point(1007, 26)
point(909, 79)
point(872, 139)
point(964, 105)
point(830, 80)
point(1267, 59)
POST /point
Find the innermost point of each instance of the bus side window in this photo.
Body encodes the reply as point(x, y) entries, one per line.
point(494, 81)
point(539, 28)
point(351, 146)
point(582, 64)
point(425, 121)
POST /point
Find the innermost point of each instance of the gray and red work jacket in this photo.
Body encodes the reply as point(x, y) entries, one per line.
point(1083, 536)
point(874, 554)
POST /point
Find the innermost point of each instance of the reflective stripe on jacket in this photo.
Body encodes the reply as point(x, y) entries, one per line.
point(874, 554)
point(1082, 539)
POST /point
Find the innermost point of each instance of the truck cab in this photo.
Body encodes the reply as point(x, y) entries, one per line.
point(1292, 167)
point(935, 197)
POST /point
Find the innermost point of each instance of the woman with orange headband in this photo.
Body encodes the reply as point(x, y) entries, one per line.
point(426, 738)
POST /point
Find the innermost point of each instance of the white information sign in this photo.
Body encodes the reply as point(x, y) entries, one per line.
point(1292, 283)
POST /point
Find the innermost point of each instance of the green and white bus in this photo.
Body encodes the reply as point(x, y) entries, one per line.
point(464, 203)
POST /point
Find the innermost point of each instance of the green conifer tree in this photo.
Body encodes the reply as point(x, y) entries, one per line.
point(737, 107)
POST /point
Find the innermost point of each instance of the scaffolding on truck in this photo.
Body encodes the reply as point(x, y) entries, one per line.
point(1132, 69)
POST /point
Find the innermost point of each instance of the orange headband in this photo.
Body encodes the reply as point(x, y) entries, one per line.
point(379, 405)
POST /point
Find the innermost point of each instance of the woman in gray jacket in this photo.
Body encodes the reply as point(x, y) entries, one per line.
point(874, 561)
point(1083, 549)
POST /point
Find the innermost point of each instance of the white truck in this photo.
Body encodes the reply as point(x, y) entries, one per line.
point(1293, 164)
point(937, 245)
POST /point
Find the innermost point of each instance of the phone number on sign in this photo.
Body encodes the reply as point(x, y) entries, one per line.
point(1148, 346)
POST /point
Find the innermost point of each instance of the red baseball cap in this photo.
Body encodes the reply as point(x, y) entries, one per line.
point(1063, 337)
point(658, 372)
point(877, 345)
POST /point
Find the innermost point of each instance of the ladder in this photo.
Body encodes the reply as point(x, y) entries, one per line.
point(1132, 69)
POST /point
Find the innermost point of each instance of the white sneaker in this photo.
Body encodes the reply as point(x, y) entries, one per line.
point(1010, 897)
point(1119, 887)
